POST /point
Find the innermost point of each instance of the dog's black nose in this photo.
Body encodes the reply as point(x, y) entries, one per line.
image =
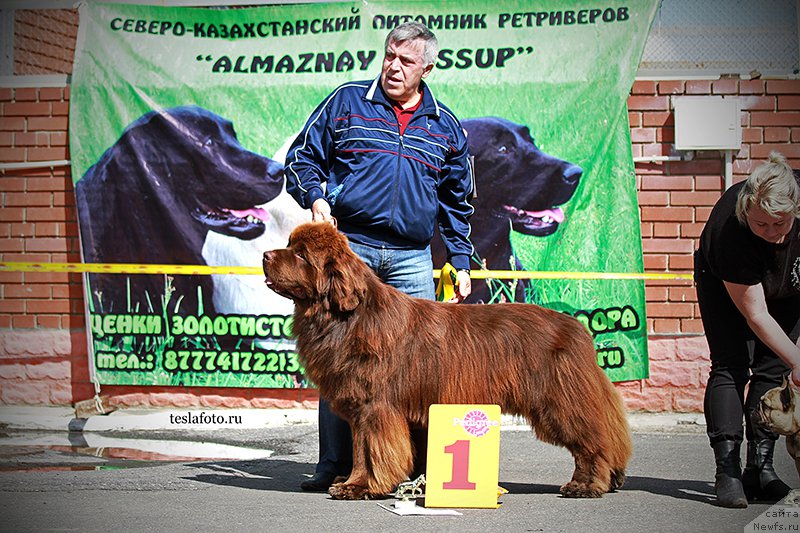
point(572, 174)
point(268, 256)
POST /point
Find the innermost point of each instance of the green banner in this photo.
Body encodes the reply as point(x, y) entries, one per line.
point(179, 122)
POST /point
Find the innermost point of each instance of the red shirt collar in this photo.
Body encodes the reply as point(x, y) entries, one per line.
point(404, 115)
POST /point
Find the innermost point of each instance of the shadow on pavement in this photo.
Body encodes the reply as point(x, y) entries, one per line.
point(685, 489)
point(698, 491)
point(285, 476)
point(529, 488)
point(271, 475)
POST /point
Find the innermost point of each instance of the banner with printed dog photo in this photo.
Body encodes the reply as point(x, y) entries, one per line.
point(180, 119)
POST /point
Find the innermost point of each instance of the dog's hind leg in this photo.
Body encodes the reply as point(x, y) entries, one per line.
point(382, 456)
point(591, 478)
point(594, 429)
point(601, 453)
point(592, 475)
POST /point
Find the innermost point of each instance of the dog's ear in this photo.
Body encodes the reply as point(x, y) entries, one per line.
point(149, 153)
point(343, 284)
point(786, 395)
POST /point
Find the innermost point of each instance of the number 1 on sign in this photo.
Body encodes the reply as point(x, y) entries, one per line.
point(463, 455)
point(460, 474)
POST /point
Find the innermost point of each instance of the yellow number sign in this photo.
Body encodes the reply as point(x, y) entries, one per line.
point(463, 456)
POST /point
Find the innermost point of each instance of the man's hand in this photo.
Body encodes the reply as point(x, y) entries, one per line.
point(463, 287)
point(321, 211)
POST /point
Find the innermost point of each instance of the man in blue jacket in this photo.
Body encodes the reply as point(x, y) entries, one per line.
point(394, 163)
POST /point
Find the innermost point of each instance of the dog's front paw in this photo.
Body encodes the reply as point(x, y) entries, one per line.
point(348, 491)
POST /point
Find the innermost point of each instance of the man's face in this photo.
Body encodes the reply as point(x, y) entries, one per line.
point(403, 70)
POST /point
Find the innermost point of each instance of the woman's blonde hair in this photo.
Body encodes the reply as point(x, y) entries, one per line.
point(773, 187)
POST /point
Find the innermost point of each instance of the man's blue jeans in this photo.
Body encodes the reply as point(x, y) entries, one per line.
point(410, 271)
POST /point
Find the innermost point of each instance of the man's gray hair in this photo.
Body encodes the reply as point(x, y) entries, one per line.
point(411, 31)
point(772, 187)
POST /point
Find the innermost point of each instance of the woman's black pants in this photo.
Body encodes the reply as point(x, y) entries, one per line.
point(740, 363)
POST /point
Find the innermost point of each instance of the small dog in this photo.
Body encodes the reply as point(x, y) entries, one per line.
point(778, 411)
point(382, 358)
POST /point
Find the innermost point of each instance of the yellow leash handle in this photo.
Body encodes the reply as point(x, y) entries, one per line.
point(446, 288)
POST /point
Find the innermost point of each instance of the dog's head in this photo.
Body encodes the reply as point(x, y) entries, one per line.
point(317, 267)
point(515, 181)
point(778, 410)
point(189, 162)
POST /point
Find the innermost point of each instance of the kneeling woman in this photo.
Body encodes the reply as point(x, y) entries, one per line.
point(747, 273)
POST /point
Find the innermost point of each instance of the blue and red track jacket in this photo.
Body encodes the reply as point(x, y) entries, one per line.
point(386, 189)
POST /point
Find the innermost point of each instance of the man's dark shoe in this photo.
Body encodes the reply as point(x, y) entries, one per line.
point(319, 482)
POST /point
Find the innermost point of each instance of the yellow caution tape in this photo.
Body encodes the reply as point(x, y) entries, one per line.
point(133, 268)
point(532, 274)
point(129, 268)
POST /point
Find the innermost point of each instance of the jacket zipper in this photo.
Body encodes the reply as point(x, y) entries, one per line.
point(397, 174)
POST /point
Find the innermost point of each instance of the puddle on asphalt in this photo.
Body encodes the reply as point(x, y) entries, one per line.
point(85, 451)
point(65, 468)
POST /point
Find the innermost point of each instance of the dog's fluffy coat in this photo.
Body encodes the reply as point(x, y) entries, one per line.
point(382, 358)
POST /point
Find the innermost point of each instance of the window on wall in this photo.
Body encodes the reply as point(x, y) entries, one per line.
point(692, 38)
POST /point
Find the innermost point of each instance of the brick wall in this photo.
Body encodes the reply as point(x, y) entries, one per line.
point(43, 353)
point(44, 40)
point(675, 199)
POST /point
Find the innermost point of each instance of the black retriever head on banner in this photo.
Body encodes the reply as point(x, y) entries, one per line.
point(517, 186)
point(516, 182)
point(173, 176)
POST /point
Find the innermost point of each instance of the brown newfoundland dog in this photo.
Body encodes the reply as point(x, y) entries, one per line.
point(382, 358)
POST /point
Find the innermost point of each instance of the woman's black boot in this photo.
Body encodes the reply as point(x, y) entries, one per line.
point(759, 478)
point(728, 479)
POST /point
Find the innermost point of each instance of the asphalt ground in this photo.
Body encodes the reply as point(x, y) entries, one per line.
point(101, 479)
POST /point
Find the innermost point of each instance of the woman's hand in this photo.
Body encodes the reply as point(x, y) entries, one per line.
point(750, 301)
point(795, 376)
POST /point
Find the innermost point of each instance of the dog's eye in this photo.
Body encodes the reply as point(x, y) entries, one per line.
point(209, 142)
point(301, 258)
point(502, 149)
